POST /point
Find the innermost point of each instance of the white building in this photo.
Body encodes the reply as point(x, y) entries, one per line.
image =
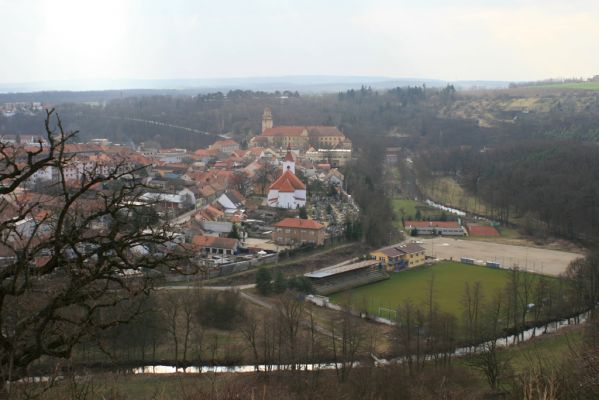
point(288, 191)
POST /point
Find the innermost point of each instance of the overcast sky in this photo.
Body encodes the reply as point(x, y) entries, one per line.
point(44, 40)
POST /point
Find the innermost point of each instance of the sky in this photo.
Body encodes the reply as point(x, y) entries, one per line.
point(55, 40)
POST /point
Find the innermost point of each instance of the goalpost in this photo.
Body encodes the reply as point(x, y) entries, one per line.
point(388, 313)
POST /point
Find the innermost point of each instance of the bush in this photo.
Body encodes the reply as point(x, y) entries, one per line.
point(221, 310)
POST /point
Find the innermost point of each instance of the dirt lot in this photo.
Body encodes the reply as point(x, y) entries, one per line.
point(533, 259)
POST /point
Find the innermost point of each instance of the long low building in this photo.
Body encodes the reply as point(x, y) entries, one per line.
point(346, 276)
point(446, 228)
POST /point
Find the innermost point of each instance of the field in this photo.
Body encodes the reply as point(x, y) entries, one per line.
point(447, 191)
point(449, 280)
point(407, 209)
point(573, 85)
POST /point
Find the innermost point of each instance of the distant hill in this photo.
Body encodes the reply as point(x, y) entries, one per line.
point(104, 90)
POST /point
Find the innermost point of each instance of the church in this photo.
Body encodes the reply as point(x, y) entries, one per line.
point(288, 191)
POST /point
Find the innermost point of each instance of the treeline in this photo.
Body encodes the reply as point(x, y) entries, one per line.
point(411, 111)
point(364, 179)
point(551, 182)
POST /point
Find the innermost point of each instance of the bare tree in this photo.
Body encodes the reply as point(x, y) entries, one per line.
point(488, 359)
point(265, 176)
point(241, 182)
point(68, 252)
point(348, 339)
point(472, 300)
point(290, 314)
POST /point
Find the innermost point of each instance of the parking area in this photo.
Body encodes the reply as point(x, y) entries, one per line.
point(542, 261)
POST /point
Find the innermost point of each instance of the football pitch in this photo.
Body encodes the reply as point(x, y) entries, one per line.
point(383, 298)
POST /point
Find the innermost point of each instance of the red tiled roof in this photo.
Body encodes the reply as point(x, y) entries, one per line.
point(481, 230)
point(320, 131)
point(288, 130)
point(432, 224)
point(299, 223)
point(215, 242)
point(294, 130)
point(206, 152)
point(287, 182)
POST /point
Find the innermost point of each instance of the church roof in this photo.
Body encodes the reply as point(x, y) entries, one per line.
point(288, 182)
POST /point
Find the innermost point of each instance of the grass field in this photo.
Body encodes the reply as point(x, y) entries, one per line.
point(573, 85)
point(447, 191)
point(407, 208)
point(548, 350)
point(449, 280)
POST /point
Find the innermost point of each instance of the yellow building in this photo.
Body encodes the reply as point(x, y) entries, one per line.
point(400, 256)
point(298, 136)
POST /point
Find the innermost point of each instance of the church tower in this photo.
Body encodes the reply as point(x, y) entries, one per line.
point(288, 162)
point(266, 119)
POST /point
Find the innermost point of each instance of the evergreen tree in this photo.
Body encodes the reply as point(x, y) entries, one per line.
point(263, 284)
point(279, 285)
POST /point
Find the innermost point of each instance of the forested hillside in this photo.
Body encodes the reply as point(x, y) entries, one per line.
point(417, 117)
point(547, 181)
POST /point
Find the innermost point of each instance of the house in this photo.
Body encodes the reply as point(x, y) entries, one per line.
point(297, 231)
point(215, 245)
point(337, 157)
point(209, 213)
point(171, 155)
point(232, 201)
point(182, 199)
point(205, 155)
point(216, 228)
point(227, 146)
point(399, 256)
point(447, 228)
point(334, 177)
point(288, 191)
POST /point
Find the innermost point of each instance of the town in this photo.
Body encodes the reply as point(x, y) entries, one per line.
point(255, 200)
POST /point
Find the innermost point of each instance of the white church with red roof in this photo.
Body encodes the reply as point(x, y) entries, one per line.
point(288, 191)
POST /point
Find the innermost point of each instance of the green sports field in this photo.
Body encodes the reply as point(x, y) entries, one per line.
point(449, 280)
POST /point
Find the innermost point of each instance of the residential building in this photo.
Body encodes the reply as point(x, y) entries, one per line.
point(227, 146)
point(215, 245)
point(336, 157)
point(298, 231)
point(231, 201)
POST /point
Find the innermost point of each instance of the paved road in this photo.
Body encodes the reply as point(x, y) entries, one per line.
point(187, 287)
point(533, 259)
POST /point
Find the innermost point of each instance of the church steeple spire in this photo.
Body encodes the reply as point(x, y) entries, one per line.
point(288, 161)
